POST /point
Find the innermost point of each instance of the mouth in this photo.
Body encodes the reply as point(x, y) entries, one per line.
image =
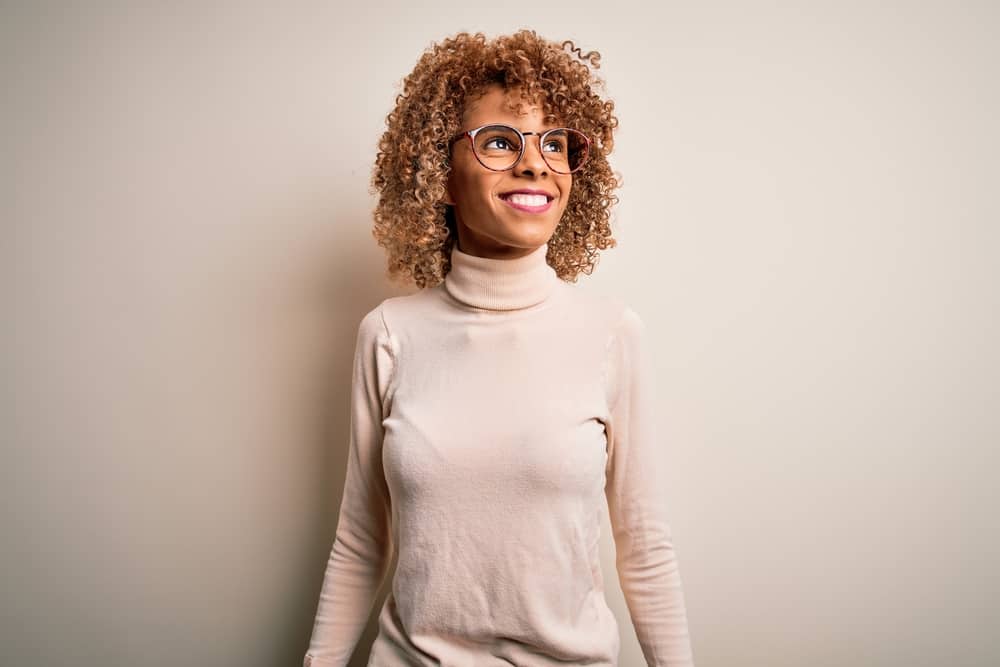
point(530, 201)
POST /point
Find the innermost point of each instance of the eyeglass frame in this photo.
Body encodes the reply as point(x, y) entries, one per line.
point(471, 134)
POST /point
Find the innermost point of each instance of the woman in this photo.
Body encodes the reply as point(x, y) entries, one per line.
point(494, 411)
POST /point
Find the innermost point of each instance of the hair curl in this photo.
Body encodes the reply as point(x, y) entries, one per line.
point(411, 169)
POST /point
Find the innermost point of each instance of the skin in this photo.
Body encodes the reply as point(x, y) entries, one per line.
point(488, 226)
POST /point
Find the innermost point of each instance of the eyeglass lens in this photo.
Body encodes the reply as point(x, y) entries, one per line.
point(499, 147)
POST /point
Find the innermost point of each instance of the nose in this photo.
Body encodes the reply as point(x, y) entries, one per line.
point(532, 163)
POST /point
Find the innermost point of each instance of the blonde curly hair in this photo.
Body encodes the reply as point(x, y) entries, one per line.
point(413, 224)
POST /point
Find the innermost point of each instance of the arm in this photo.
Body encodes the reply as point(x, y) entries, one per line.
point(362, 547)
point(645, 558)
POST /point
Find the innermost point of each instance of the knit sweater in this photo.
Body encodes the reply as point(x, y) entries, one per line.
point(491, 416)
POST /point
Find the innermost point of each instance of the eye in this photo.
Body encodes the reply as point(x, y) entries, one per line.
point(497, 140)
point(499, 143)
point(555, 143)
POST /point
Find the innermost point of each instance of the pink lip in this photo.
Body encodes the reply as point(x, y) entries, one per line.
point(529, 209)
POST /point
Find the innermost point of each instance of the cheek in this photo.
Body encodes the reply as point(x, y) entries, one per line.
point(566, 188)
point(466, 187)
point(473, 190)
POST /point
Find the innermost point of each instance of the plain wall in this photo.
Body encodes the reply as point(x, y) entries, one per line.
point(808, 225)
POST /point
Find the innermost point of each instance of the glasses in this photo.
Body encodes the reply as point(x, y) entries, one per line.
point(501, 147)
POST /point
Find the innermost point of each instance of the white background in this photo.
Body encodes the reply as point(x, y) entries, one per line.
point(808, 226)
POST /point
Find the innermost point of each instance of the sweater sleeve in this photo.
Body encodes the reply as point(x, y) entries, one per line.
point(362, 545)
point(645, 558)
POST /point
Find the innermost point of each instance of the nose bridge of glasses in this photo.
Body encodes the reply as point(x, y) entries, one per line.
point(537, 144)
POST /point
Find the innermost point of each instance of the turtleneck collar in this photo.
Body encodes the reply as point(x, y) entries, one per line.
point(501, 284)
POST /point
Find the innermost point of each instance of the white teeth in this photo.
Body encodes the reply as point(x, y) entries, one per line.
point(527, 200)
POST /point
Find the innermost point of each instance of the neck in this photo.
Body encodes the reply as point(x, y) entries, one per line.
point(501, 284)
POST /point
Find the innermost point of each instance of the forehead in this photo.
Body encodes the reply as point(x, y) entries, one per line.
point(496, 104)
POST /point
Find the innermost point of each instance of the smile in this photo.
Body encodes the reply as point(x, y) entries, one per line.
point(531, 203)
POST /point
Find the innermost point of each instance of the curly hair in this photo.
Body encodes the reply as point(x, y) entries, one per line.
point(413, 224)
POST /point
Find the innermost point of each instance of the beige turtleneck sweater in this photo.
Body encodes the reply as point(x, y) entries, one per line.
point(491, 416)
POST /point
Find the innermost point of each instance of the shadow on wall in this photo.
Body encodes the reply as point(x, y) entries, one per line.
point(351, 283)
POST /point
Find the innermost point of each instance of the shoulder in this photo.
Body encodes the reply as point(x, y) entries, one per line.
point(629, 325)
point(395, 320)
point(614, 327)
point(396, 312)
point(603, 311)
point(627, 342)
point(617, 318)
point(372, 325)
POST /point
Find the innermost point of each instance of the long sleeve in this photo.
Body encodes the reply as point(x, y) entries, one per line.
point(362, 547)
point(645, 558)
